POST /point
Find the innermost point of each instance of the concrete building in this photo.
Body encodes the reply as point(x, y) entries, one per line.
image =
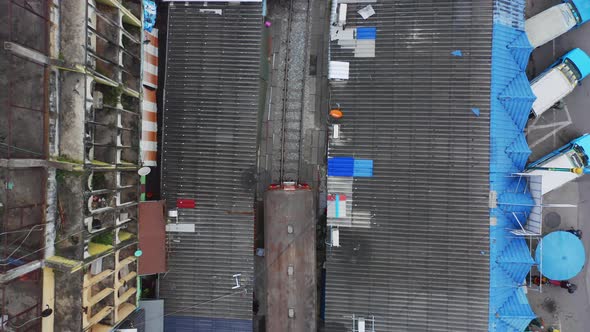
point(70, 142)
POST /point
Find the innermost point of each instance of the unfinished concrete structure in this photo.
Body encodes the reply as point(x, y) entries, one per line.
point(98, 134)
point(24, 150)
point(69, 154)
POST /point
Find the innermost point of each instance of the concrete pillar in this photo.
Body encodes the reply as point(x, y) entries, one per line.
point(48, 298)
point(72, 94)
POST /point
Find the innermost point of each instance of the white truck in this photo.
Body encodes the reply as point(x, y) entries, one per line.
point(557, 20)
point(559, 80)
point(573, 155)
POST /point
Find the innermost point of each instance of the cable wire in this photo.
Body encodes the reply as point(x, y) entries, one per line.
point(66, 237)
point(19, 246)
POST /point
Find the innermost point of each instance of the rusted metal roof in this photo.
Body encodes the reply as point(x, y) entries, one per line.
point(290, 257)
point(152, 237)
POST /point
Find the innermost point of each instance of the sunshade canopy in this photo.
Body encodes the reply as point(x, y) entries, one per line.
point(561, 255)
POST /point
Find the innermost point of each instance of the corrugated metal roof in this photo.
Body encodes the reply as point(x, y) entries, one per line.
point(511, 100)
point(423, 265)
point(152, 237)
point(209, 155)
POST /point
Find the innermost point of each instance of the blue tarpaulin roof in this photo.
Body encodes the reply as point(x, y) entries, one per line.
point(201, 324)
point(349, 166)
point(511, 101)
point(366, 33)
point(363, 167)
point(341, 166)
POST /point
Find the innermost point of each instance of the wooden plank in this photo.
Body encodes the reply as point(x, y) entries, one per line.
point(125, 279)
point(123, 298)
point(125, 262)
point(123, 311)
point(100, 295)
point(97, 278)
point(99, 316)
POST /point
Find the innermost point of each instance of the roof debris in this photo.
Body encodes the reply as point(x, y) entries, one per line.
point(366, 12)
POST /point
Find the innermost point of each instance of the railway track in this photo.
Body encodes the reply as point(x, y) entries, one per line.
point(295, 46)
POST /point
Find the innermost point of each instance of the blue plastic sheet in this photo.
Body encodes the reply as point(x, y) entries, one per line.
point(457, 53)
point(341, 166)
point(366, 33)
point(149, 15)
point(363, 168)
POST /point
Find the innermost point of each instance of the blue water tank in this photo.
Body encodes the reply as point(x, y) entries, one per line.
point(584, 142)
point(580, 59)
point(583, 7)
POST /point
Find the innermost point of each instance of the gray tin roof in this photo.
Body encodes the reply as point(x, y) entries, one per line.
point(209, 155)
point(423, 264)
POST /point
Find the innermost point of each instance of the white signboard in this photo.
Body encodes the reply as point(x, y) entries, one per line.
point(183, 228)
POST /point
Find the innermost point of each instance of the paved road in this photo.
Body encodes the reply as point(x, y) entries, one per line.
point(555, 305)
point(556, 127)
point(553, 129)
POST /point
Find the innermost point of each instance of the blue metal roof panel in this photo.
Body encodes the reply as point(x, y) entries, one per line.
point(519, 151)
point(515, 259)
point(516, 97)
point(511, 101)
point(200, 324)
point(515, 202)
point(517, 311)
point(516, 251)
point(521, 49)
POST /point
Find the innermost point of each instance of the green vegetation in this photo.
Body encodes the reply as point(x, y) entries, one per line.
point(100, 163)
point(104, 238)
point(66, 159)
point(129, 103)
point(99, 181)
point(111, 95)
point(60, 176)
